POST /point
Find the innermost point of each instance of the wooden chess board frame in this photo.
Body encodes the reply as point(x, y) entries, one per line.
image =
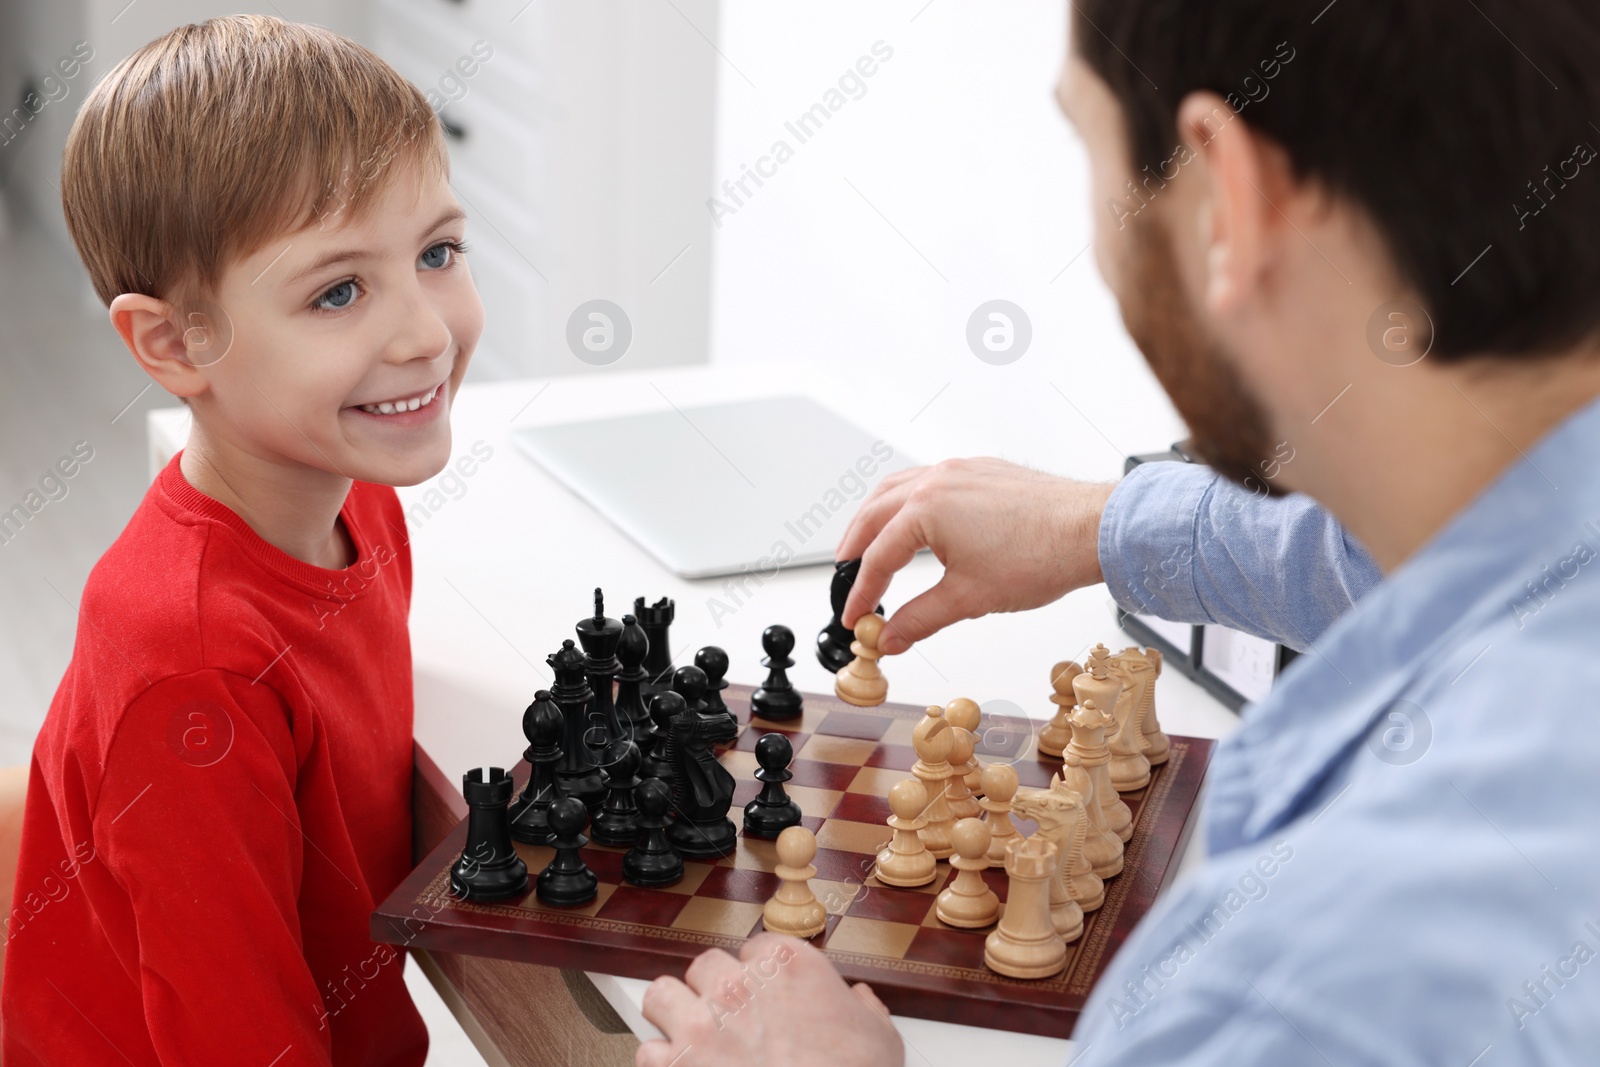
point(846, 759)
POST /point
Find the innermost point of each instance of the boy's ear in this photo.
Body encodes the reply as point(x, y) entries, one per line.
point(150, 328)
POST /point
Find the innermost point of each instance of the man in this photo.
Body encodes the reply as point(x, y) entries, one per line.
point(1355, 241)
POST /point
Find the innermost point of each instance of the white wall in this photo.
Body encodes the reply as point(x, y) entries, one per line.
point(958, 143)
point(44, 32)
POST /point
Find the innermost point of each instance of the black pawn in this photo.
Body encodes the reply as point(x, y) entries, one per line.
point(542, 725)
point(691, 684)
point(833, 642)
point(631, 707)
point(654, 619)
point(777, 700)
point(714, 661)
point(567, 882)
point(664, 707)
point(616, 823)
point(653, 861)
point(489, 867)
point(771, 813)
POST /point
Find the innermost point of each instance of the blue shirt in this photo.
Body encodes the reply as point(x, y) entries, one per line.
point(1403, 860)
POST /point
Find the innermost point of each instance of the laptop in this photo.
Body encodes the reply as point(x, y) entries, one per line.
point(747, 486)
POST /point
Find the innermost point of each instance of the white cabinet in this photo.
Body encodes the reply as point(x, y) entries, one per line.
point(581, 142)
point(583, 147)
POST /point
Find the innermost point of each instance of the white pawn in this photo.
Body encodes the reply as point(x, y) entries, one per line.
point(794, 908)
point(860, 682)
point(968, 902)
point(964, 714)
point(956, 793)
point(1057, 732)
point(1025, 944)
point(906, 862)
point(999, 786)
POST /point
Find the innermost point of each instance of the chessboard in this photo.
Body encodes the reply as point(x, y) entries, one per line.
point(846, 759)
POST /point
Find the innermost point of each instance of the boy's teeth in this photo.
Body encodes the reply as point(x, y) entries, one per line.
point(394, 407)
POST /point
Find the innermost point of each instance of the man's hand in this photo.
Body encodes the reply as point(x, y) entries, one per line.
point(1010, 539)
point(780, 1004)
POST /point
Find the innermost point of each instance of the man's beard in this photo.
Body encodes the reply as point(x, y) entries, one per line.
point(1230, 428)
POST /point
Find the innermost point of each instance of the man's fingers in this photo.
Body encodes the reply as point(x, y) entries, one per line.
point(923, 616)
point(712, 971)
point(895, 546)
point(768, 944)
point(864, 991)
point(661, 1054)
point(878, 508)
point(669, 1006)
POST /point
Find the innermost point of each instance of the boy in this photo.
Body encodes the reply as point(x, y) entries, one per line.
point(222, 788)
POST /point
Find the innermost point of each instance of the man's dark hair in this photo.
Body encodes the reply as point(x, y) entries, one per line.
point(1456, 126)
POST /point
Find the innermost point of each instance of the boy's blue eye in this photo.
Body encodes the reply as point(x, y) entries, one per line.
point(340, 296)
point(442, 254)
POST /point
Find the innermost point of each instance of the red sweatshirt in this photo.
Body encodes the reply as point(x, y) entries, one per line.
point(221, 791)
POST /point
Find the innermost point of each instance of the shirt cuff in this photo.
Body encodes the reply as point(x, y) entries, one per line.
point(1147, 539)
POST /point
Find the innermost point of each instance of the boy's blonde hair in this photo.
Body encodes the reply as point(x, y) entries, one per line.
point(209, 141)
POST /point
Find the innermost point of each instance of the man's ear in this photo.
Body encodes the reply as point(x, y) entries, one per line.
point(1237, 218)
point(151, 330)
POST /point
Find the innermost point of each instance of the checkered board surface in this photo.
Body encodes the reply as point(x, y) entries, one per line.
point(846, 759)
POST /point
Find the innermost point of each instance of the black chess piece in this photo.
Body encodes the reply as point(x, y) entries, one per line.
point(655, 620)
point(714, 661)
point(833, 642)
point(691, 684)
point(616, 822)
point(772, 812)
point(664, 707)
point(653, 861)
point(542, 726)
point(632, 711)
point(567, 882)
point(599, 636)
point(489, 867)
point(702, 788)
point(777, 700)
point(578, 771)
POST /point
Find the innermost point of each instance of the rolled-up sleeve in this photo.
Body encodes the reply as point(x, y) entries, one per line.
point(1180, 542)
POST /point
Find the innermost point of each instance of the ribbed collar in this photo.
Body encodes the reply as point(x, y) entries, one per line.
point(180, 499)
point(1425, 611)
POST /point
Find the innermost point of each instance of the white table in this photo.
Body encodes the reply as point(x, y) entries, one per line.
point(508, 563)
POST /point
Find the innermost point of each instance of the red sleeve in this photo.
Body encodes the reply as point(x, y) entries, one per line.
point(196, 820)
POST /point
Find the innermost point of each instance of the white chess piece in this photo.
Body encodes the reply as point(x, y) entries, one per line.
point(999, 786)
point(1025, 944)
point(967, 901)
point(794, 909)
point(860, 682)
point(906, 861)
point(1056, 733)
point(1129, 768)
point(1088, 752)
point(965, 714)
point(931, 741)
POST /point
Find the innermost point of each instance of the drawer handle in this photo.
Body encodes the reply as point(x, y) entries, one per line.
point(452, 130)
